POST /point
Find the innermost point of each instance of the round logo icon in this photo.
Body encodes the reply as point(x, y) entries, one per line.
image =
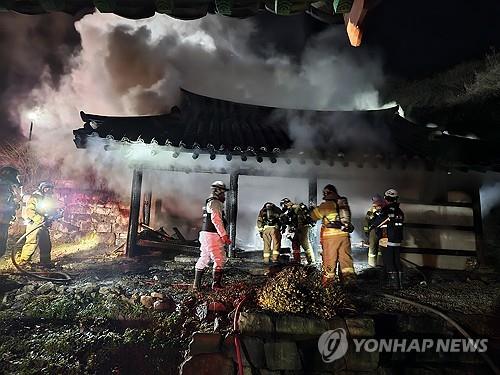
point(333, 344)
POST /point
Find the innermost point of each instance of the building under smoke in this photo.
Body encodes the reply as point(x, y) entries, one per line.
point(294, 153)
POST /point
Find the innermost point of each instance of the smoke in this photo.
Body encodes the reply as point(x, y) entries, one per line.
point(33, 49)
point(490, 197)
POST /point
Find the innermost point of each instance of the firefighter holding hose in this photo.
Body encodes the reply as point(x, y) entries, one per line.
point(10, 196)
point(41, 211)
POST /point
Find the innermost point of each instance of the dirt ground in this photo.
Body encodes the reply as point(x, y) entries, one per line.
point(102, 321)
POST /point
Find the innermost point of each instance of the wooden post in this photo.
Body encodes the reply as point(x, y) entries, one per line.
point(135, 207)
point(313, 191)
point(313, 199)
point(478, 227)
point(233, 211)
point(146, 210)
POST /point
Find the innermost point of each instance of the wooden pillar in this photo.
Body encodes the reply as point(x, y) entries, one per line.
point(313, 199)
point(135, 207)
point(313, 190)
point(233, 211)
point(478, 227)
point(146, 207)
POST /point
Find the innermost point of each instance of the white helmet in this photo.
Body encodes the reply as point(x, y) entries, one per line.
point(391, 193)
point(219, 185)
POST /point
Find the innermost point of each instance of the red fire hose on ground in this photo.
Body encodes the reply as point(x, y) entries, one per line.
point(237, 342)
point(64, 278)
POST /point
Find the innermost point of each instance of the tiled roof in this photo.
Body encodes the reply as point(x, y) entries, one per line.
point(207, 125)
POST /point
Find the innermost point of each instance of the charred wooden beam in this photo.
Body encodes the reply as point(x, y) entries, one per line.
point(135, 208)
point(233, 210)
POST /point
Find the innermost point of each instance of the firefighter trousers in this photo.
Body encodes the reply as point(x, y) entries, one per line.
point(211, 248)
point(373, 248)
point(337, 249)
point(4, 235)
point(39, 238)
point(301, 239)
point(391, 254)
point(272, 240)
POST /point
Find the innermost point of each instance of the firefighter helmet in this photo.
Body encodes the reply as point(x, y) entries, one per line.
point(11, 175)
point(330, 192)
point(391, 195)
point(45, 185)
point(285, 202)
point(219, 185)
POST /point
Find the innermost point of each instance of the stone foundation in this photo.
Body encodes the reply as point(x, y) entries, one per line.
point(287, 344)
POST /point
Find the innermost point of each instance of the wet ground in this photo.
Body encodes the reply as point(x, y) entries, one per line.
point(104, 320)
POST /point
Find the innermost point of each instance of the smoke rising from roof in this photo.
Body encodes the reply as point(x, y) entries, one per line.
point(127, 67)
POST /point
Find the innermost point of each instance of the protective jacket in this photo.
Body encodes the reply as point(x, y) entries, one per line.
point(269, 217)
point(214, 220)
point(297, 216)
point(8, 203)
point(335, 216)
point(390, 223)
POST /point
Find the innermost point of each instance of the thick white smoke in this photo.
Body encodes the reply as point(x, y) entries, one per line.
point(127, 67)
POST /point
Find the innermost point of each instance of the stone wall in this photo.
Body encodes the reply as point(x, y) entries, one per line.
point(287, 344)
point(87, 212)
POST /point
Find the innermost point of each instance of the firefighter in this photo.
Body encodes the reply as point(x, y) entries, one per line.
point(269, 227)
point(371, 233)
point(390, 224)
point(41, 210)
point(296, 217)
point(335, 216)
point(213, 236)
point(10, 196)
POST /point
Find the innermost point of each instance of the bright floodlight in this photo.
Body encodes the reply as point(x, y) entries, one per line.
point(33, 115)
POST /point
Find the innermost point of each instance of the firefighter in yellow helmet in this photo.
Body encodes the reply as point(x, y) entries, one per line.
point(213, 236)
point(269, 227)
point(10, 196)
point(298, 220)
point(41, 210)
point(335, 216)
point(373, 235)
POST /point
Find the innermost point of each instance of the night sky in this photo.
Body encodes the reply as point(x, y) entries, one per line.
point(415, 39)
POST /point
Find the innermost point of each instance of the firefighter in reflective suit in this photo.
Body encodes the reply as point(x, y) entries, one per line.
point(213, 237)
point(373, 235)
point(10, 196)
point(269, 227)
point(40, 210)
point(390, 225)
point(335, 215)
point(299, 222)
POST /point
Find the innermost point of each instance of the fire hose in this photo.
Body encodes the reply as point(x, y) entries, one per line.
point(37, 275)
point(237, 343)
point(458, 327)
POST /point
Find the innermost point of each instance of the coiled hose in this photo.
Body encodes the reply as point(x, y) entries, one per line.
point(64, 278)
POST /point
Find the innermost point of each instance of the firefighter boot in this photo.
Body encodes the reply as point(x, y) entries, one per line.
point(392, 281)
point(217, 282)
point(400, 280)
point(198, 276)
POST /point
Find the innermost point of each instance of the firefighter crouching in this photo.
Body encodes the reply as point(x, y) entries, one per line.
point(10, 196)
point(268, 225)
point(373, 235)
point(41, 210)
point(390, 224)
point(335, 215)
point(299, 222)
point(213, 237)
